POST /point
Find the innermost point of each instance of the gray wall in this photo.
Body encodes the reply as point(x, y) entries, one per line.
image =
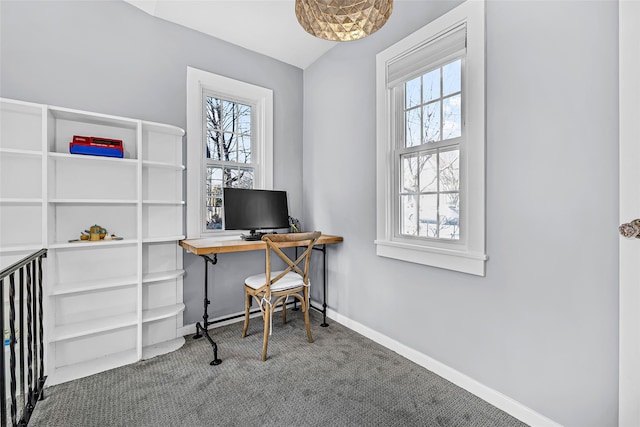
point(110, 57)
point(541, 327)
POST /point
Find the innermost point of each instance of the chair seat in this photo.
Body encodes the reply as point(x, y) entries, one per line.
point(289, 281)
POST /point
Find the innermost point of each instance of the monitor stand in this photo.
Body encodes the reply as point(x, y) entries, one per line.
point(252, 236)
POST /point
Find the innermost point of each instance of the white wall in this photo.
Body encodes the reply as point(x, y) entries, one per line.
point(112, 58)
point(541, 327)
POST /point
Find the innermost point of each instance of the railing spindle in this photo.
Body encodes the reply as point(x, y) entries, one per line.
point(30, 388)
point(12, 345)
point(19, 341)
point(41, 329)
point(3, 393)
point(30, 298)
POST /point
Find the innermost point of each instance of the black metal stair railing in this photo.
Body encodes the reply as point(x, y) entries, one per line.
point(22, 323)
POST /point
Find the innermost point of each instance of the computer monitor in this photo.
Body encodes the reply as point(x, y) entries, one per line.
point(255, 210)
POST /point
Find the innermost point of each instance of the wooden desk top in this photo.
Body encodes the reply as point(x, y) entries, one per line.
point(213, 245)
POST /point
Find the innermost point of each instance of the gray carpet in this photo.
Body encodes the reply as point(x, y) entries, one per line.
point(342, 379)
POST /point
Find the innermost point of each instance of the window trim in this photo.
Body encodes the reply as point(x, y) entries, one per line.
point(199, 83)
point(468, 254)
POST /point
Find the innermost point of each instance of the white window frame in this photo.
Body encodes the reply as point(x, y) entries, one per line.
point(200, 84)
point(468, 253)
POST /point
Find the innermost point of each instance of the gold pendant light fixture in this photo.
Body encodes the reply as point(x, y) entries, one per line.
point(342, 20)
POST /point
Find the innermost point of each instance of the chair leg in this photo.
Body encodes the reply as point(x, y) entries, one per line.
point(284, 311)
point(265, 340)
point(247, 306)
point(305, 306)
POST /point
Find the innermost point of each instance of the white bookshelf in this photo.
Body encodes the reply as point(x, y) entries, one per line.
point(112, 302)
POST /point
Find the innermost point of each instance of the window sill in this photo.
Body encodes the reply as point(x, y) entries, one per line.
point(220, 235)
point(456, 260)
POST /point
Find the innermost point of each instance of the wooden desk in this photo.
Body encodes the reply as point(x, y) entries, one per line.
point(205, 247)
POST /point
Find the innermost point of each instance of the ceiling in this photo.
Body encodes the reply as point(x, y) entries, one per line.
point(269, 27)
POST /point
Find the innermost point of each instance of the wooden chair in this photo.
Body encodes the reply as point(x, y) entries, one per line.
point(273, 287)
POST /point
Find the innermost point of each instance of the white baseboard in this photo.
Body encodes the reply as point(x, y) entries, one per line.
point(495, 398)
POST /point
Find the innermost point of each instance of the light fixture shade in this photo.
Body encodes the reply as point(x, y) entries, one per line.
point(343, 20)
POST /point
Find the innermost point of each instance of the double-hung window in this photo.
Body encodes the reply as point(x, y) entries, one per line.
point(229, 144)
point(431, 142)
point(429, 154)
point(228, 147)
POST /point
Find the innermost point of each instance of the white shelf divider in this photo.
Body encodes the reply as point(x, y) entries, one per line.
point(88, 244)
point(20, 201)
point(93, 326)
point(19, 152)
point(163, 202)
point(69, 114)
point(162, 276)
point(164, 347)
point(162, 238)
point(84, 369)
point(150, 163)
point(21, 248)
point(161, 312)
point(93, 285)
point(95, 201)
point(97, 159)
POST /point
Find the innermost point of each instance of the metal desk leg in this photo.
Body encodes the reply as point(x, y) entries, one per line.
point(200, 330)
point(323, 248)
point(324, 323)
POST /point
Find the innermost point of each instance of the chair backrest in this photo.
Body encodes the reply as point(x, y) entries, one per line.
point(275, 243)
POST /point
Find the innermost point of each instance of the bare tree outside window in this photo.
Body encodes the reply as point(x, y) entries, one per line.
point(228, 153)
point(430, 167)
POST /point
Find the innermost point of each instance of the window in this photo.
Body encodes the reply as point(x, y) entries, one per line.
point(429, 193)
point(227, 141)
point(431, 143)
point(229, 131)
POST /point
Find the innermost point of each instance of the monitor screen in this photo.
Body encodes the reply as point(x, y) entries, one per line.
point(248, 209)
